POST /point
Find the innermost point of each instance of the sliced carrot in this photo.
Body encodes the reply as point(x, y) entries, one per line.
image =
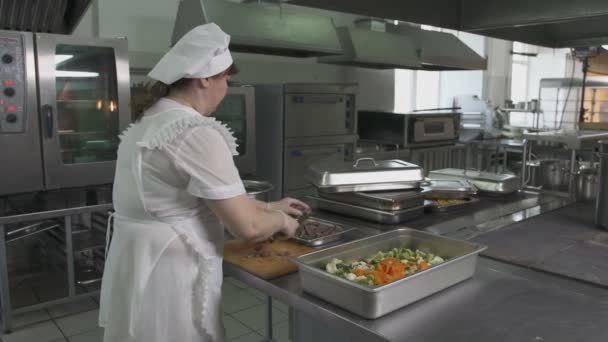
point(423, 265)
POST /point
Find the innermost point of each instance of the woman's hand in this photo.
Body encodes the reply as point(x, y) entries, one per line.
point(290, 206)
point(290, 225)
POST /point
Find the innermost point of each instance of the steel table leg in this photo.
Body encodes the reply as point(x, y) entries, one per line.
point(269, 336)
point(69, 252)
point(5, 297)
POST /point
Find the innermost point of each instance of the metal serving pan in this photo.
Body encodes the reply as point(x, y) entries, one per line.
point(337, 235)
point(365, 174)
point(381, 200)
point(374, 215)
point(486, 182)
point(444, 208)
point(374, 302)
point(450, 188)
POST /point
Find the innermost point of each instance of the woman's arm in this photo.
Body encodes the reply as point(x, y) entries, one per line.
point(288, 205)
point(249, 220)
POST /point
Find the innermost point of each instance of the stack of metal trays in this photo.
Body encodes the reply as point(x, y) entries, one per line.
point(450, 189)
point(375, 215)
point(495, 184)
point(380, 200)
point(365, 174)
point(386, 191)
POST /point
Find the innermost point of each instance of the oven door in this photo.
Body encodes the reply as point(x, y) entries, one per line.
point(312, 115)
point(237, 111)
point(433, 129)
point(84, 106)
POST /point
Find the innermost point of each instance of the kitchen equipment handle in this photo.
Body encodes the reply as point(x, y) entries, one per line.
point(356, 164)
point(47, 113)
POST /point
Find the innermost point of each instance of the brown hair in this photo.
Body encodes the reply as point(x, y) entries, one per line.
point(145, 97)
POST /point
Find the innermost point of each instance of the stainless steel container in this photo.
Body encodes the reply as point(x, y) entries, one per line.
point(554, 173)
point(601, 209)
point(533, 172)
point(337, 235)
point(365, 174)
point(258, 190)
point(436, 207)
point(450, 188)
point(374, 302)
point(587, 184)
point(486, 182)
point(381, 200)
point(374, 215)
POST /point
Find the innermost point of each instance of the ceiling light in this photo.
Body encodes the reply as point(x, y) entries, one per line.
point(63, 73)
point(62, 58)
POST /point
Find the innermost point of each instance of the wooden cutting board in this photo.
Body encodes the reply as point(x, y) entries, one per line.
point(275, 264)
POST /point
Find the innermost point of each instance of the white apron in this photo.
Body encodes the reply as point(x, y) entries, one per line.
point(157, 271)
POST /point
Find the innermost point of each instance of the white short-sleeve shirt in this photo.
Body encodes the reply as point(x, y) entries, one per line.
point(195, 165)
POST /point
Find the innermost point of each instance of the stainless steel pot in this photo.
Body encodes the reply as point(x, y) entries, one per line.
point(601, 208)
point(587, 184)
point(258, 190)
point(533, 172)
point(554, 173)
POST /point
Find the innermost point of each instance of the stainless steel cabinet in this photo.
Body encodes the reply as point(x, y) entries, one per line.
point(297, 124)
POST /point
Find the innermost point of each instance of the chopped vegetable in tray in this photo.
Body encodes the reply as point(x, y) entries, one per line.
point(384, 267)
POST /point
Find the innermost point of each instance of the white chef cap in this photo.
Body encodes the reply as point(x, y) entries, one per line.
point(201, 53)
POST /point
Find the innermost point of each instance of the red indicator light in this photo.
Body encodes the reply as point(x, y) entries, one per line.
point(11, 109)
point(8, 82)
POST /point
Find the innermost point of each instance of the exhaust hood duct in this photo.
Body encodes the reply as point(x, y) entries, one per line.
point(444, 51)
point(47, 16)
point(550, 23)
point(377, 50)
point(375, 44)
point(261, 28)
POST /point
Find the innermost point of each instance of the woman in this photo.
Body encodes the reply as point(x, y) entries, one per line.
point(176, 186)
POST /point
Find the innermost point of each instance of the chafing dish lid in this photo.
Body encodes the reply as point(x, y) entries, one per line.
point(363, 171)
point(451, 185)
point(473, 175)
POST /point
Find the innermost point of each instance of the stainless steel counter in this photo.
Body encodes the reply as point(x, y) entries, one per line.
point(501, 302)
point(490, 213)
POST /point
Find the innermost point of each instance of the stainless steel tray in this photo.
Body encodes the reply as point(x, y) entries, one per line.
point(381, 200)
point(450, 188)
point(374, 215)
point(374, 302)
point(338, 235)
point(438, 208)
point(486, 182)
point(366, 174)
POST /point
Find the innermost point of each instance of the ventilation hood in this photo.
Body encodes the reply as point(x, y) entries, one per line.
point(50, 16)
point(444, 51)
point(371, 49)
point(550, 23)
point(375, 44)
point(261, 28)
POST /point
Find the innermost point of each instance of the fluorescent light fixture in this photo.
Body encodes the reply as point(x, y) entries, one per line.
point(63, 73)
point(62, 58)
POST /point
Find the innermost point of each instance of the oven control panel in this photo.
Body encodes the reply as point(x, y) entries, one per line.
point(12, 85)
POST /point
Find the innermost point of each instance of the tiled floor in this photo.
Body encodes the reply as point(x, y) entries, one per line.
point(244, 319)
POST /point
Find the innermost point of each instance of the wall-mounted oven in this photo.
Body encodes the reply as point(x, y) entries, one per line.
point(63, 102)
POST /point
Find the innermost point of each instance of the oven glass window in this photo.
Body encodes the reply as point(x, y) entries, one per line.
point(434, 127)
point(232, 112)
point(87, 103)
